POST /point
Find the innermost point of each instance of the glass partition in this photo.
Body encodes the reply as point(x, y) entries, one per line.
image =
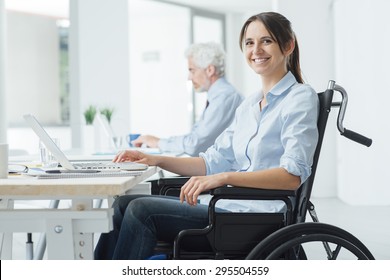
point(159, 35)
point(206, 27)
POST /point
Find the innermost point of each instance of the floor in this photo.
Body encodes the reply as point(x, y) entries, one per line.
point(370, 224)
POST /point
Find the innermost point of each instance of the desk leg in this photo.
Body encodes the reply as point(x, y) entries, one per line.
point(66, 244)
point(63, 242)
point(41, 246)
point(83, 242)
point(59, 239)
point(6, 238)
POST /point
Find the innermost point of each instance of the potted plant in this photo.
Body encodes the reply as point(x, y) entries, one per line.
point(108, 113)
point(89, 114)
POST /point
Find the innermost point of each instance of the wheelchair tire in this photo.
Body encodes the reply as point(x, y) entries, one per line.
point(280, 251)
point(293, 232)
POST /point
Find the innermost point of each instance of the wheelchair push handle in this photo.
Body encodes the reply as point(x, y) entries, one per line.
point(343, 107)
point(357, 137)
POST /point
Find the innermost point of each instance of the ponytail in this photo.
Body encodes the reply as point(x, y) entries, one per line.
point(293, 64)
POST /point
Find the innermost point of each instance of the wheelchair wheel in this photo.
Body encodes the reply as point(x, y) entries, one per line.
point(340, 243)
point(299, 240)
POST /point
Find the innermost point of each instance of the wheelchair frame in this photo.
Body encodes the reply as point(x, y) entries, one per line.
point(284, 237)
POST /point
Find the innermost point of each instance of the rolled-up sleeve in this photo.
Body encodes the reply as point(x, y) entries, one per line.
point(299, 133)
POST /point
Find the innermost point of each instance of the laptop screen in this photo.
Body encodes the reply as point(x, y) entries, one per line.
point(49, 143)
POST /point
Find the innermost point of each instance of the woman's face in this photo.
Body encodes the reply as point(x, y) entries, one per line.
point(263, 53)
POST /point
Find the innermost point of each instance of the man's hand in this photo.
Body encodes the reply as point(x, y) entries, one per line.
point(149, 140)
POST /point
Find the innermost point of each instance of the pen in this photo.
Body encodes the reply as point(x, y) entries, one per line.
point(57, 171)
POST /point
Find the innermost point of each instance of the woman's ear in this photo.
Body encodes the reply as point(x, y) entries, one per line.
point(290, 46)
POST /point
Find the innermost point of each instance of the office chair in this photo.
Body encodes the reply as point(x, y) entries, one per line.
point(267, 235)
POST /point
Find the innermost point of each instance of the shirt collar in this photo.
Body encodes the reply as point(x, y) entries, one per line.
point(214, 88)
point(282, 86)
point(285, 83)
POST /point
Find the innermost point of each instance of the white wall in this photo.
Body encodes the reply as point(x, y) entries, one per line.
point(18, 135)
point(158, 40)
point(99, 61)
point(362, 40)
point(32, 68)
point(3, 116)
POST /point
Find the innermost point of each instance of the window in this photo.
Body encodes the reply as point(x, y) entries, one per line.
point(63, 33)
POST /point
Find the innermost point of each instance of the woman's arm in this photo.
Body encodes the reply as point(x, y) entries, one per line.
point(191, 166)
point(188, 166)
point(275, 178)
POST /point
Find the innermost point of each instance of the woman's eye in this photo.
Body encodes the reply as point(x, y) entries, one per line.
point(267, 41)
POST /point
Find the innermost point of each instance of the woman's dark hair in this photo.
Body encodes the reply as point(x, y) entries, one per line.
point(280, 29)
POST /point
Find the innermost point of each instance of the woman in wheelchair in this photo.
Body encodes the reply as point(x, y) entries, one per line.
point(269, 145)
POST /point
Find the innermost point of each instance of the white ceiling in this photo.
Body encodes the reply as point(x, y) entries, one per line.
point(60, 8)
point(233, 6)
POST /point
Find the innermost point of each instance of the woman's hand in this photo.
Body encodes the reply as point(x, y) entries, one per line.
point(136, 156)
point(198, 184)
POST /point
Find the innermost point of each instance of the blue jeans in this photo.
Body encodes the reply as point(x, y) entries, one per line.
point(142, 220)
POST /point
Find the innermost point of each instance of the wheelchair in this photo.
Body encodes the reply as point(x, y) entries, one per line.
point(269, 235)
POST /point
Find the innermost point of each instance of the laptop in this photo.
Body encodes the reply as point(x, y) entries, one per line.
point(79, 165)
point(108, 132)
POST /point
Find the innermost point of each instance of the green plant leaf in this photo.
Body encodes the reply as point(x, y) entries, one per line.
point(89, 114)
point(108, 112)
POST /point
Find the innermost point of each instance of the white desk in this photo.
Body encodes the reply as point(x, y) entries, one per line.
point(69, 232)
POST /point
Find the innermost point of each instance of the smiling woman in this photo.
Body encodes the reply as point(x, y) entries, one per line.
point(271, 149)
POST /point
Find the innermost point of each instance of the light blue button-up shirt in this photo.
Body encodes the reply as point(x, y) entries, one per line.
point(284, 134)
point(223, 101)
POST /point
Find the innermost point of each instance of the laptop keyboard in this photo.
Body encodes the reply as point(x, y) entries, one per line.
point(97, 165)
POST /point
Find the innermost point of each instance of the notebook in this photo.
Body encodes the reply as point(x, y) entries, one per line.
point(79, 165)
point(72, 174)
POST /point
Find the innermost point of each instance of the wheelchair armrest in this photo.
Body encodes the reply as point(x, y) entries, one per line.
point(168, 186)
point(243, 193)
point(251, 193)
point(174, 181)
point(164, 186)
